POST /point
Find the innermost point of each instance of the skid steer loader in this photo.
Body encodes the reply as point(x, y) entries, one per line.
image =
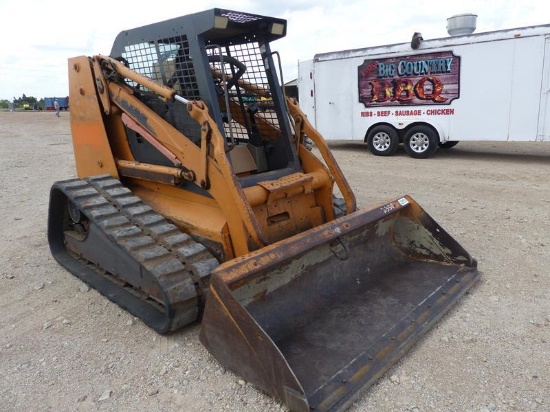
point(193, 205)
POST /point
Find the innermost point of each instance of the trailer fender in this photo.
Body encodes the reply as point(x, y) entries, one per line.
point(403, 125)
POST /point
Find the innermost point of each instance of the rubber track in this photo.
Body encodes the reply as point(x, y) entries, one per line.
point(180, 266)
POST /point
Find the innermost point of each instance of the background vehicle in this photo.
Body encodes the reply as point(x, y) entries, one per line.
point(489, 87)
point(63, 103)
point(192, 204)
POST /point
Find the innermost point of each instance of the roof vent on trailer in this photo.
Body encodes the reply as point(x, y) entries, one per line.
point(416, 40)
point(461, 24)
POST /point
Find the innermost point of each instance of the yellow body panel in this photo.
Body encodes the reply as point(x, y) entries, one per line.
point(93, 154)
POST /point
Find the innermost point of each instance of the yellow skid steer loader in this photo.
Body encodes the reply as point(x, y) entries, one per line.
point(192, 204)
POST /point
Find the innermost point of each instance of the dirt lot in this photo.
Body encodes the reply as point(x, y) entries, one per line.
point(64, 347)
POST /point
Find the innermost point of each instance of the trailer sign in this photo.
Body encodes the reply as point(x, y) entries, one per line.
point(422, 79)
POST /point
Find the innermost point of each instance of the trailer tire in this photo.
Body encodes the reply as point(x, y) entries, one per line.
point(383, 140)
point(448, 144)
point(421, 142)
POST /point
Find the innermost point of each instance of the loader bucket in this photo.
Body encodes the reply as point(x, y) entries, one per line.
point(315, 318)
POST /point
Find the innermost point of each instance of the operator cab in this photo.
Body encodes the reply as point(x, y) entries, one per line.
point(222, 58)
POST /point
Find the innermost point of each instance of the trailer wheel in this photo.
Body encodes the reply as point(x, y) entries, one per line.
point(421, 142)
point(383, 140)
point(449, 144)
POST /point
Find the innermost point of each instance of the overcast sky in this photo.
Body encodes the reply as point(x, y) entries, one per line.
point(39, 36)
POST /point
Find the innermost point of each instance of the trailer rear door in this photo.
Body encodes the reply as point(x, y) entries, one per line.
point(335, 81)
point(306, 89)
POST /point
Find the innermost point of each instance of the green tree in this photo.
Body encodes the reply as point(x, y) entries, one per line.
point(25, 100)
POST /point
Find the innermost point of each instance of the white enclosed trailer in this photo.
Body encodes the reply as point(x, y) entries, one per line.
point(492, 86)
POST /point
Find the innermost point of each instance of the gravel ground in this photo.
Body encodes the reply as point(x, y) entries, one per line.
point(63, 347)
